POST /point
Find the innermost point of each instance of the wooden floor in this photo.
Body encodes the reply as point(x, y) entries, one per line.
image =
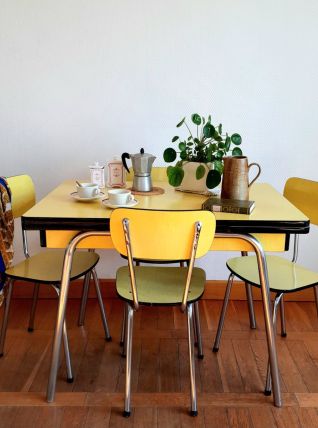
point(229, 383)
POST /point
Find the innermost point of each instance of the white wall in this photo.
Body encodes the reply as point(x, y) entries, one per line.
point(85, 80)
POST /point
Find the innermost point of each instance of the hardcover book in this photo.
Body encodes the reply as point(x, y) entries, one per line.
point(228, 205)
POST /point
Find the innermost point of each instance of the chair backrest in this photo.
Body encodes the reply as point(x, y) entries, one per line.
point(162, 235)
point(158, 173)
point(303, 194)
point(23, 194)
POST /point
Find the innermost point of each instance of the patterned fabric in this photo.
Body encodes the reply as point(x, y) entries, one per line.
point(6, 232)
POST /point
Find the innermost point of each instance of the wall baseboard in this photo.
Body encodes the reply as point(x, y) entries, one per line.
point(215, 289)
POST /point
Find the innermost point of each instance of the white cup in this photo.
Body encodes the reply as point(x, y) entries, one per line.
point(87, 190)
point(120, 196)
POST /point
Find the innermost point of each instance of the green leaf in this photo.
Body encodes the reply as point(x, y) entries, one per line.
point(236, 139)
point(219, 154)
point(175, 138)
point(218, 165)
point(209, 118)
point(196, 119)
point(227, 143)
point(218, 138)
point(197, 141)
point(169, 155)
point(183, 155)
point(203, 120)
point(199, 173)
point(182, 147)
point(181, 123)
point(208, 157)
point(237, 152)
point(169, 169)
point(221, 145)
point(220, 128)
point(175, 175)
point(208, 130)
point(213, 179)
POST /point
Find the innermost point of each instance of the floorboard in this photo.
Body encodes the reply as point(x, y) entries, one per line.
point(229, 383)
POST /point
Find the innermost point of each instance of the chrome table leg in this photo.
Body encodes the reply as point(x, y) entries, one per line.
point(263, 274)
point(66, 271)
point(268, 385)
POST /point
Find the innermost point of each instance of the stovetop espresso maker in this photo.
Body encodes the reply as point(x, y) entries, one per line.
point(142, 164)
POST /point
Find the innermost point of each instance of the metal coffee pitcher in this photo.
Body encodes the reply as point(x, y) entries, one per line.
point(142, 164)
point(235, 182)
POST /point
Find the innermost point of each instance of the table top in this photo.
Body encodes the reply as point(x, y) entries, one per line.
point(272, 214)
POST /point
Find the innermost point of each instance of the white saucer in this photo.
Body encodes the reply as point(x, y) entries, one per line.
point(109, 205)
point(75, 196)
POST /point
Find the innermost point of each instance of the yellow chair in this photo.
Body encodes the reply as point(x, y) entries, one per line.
point(161, 235)
point(284, 276)
point(44, 267)
point(157, 174)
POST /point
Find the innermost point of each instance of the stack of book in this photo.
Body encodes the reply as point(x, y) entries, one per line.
point(228, 205)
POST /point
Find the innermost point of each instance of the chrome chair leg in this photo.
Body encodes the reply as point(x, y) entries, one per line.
point(130, 319)
point(268, 385)
point(223, 312)
point(34, 305)
point(249, 296)
point(195, 333)
point(69, 372)
point(282, 317)
point(250, 304)
point(66, 345)
point(316, 296)
point(123, 328)
point(194, 406)
point(6, 316)
point(81, 316)
point(197, 329)
point(101, 306)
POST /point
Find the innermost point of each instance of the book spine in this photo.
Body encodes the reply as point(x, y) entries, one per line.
point(230, 209)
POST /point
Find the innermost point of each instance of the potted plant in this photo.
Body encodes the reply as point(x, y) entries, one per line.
point(201, 154)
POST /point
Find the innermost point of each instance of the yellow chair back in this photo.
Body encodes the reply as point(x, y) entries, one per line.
point(303, 194)
point(162, 235)
point(23, 194)
point(157, 174)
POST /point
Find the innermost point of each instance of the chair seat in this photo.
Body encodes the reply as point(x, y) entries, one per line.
point(284, 276)
point(46, 267)
point(160, 285)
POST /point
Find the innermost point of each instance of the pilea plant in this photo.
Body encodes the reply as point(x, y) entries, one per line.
point(207, 145)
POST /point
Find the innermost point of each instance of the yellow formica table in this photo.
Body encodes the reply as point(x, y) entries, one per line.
point(65, 223)
point(59, 217)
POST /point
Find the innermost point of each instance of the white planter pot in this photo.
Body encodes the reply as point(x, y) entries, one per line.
point(189, 181)
point(191, 184)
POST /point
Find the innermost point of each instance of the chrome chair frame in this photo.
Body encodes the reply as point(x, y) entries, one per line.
point(185, 307)
point(84, 297)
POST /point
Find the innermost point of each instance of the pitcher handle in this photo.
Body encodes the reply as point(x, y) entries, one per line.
point(257, 175)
